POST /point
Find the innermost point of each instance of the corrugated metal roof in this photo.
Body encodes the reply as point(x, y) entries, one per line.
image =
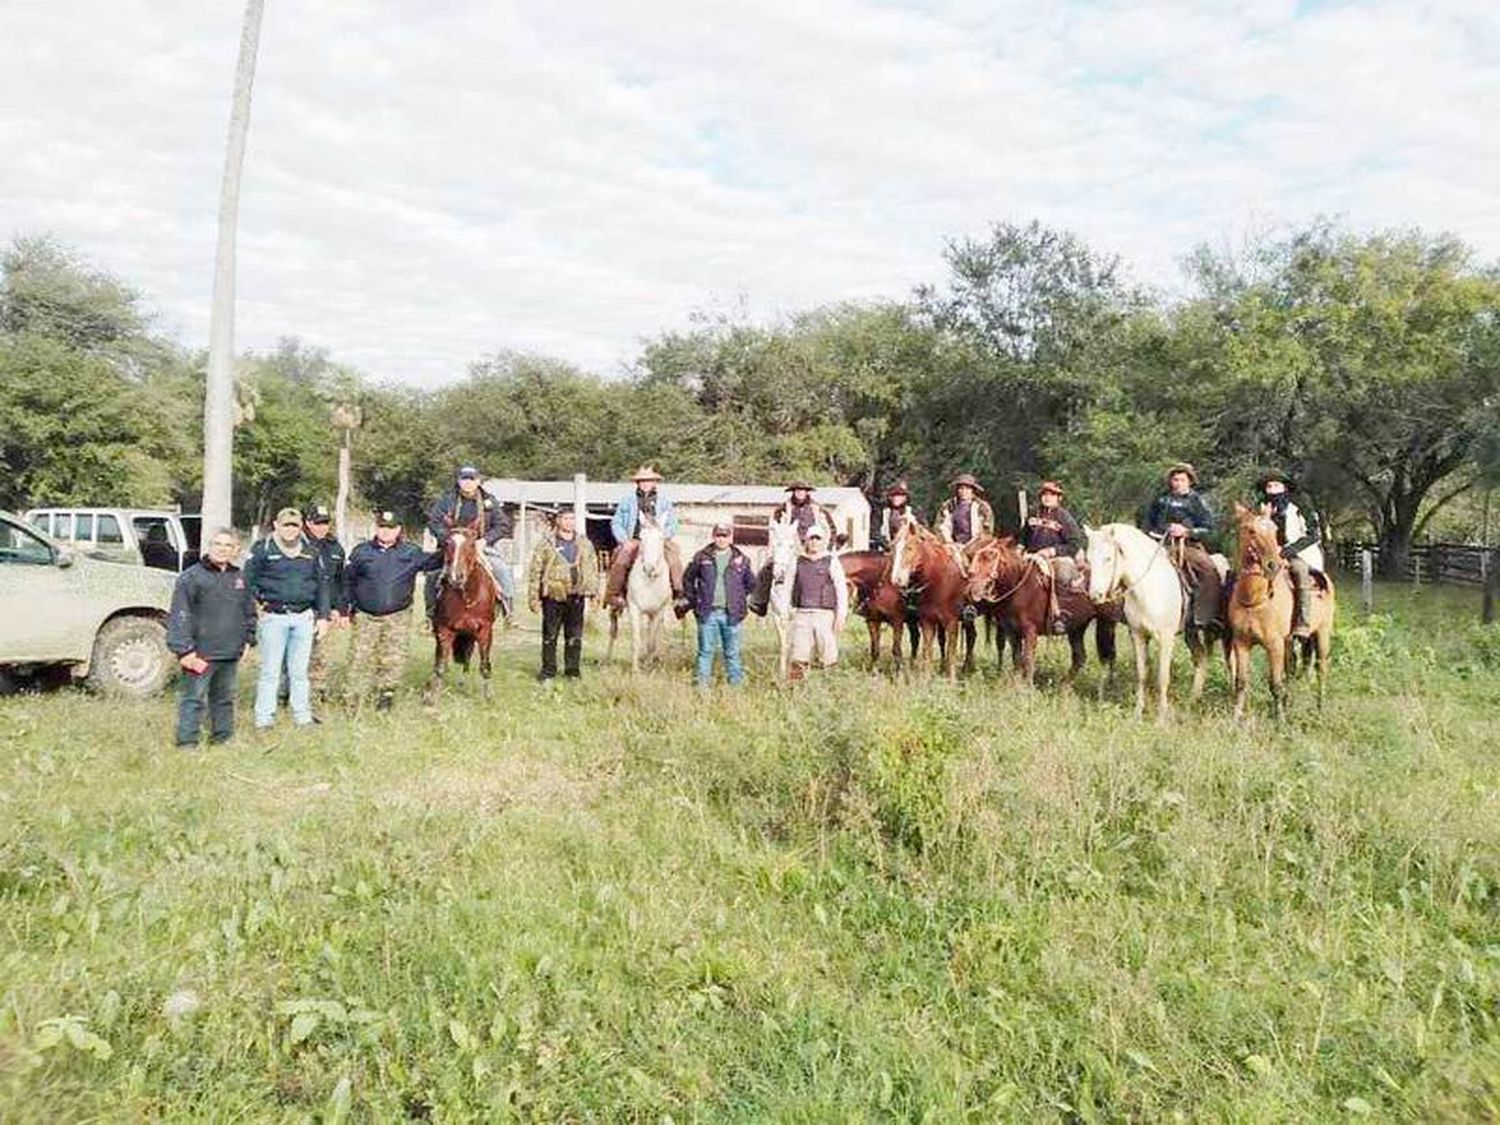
point(557, 492)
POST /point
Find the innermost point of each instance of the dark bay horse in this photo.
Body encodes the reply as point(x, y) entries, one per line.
point(869, 572)
point(1003, 576)
point(465, 618)
point(921, 561)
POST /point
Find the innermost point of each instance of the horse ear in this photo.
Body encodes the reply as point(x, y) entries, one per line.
point(1240, 511)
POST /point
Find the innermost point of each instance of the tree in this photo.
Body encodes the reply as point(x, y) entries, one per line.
point(1372, 364)
point(218, 404)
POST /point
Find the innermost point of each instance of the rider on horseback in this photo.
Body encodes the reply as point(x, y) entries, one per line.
point(1053, 535)
point(1181, 520)
point(468, 504)
point(644, 500)
point(898, 513)
point(1300, 538)
point(965, 516)
point(800, 508)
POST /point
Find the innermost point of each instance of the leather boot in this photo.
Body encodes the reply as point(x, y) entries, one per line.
point(1302, 618)
point(796, 673)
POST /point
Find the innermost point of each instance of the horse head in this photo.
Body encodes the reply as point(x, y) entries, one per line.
point(1259, 553)
point(784, 547)
point(908, 553)
point(460, 552)
point(1102, 556)
point(984, 557)
point(653, 547)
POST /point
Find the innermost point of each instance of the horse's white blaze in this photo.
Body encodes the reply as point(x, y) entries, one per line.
point(900, 575)
point(456, 574)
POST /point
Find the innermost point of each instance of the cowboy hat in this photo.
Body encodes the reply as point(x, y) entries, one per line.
point(645, 472)
point(1051, 486)
point(968, 479)
point(799, 485)
point(1267, 478)
point(1183, 467)
point(899, 488)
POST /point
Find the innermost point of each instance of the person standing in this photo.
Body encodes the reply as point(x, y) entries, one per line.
point(719, 581)
point(287, 579)
point(380, 580)
point(563, 575)
point(211, 626)
point(318, 523)
point(820, 605)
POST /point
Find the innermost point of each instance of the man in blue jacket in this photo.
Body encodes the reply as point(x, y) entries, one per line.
point(642, 502)
point(380, 579)
point(212, 624)
point(718, 582)
point(469, 505)
point(290, 583)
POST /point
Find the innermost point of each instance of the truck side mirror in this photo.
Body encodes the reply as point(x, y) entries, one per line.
point(65, 557)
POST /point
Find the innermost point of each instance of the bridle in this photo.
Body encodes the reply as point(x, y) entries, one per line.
point(994, 547)
point(1121, 583)
point(459, 579)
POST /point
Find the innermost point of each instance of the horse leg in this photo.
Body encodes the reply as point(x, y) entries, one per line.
point(1164, 645)
point(1276, 667)
point(950, 654)
point(1142, 668)
point(971, 636)
point(1077, 654)
point(1104, 648)
point(1028, 656)
point(1198, 647)
point(485, 639)
point(1239, 663)
point(1324, 640)
point(635, 639)
point(873, 626)
point(442, 653)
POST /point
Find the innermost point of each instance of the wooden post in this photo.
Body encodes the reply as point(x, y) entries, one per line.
point(1367, 580)
point(1416, 570)
point(1491, 588)
point(521, 544)
point(580, 503)
point(1021, 509)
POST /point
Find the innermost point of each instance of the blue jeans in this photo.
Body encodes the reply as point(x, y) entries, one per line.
point(284, 638)
point(717, 631)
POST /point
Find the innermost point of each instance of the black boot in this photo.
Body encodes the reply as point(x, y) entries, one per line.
point(385, 701)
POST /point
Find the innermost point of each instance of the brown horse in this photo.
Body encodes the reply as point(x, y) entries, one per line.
point(923, 562)
point(465, 618)
point(1261, 607)
point(884, 603)
point(1002, 576)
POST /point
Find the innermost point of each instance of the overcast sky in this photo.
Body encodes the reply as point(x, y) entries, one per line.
point(431, 180)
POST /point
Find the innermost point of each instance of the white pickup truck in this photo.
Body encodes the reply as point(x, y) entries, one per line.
point(103, 622)
point(154, 537)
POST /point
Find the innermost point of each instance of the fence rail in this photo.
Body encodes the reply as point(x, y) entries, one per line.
point(1454, 564)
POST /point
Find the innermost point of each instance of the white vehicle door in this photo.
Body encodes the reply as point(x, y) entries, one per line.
point(43, 616)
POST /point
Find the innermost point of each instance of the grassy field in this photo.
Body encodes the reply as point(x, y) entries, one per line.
point(623, 900)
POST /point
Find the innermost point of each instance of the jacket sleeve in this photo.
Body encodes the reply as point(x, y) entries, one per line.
point(667, 513)
point(1155, 522)
point(1203, 520)
point(437, 518)
point(180, 621)
point(430, 560)
point(1072, 535)
point(495, 523)
point(534, 575)
point(350, 578)
point(1312, 534)
point(748, 577)
point(691, 575)
point(986, 526)
point(505, 525)
point(623, 521)
point(251, 570)
point(324, 604)
point(944, 526)
point(247, 605)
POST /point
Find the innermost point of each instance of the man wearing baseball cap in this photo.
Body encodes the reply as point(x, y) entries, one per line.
point(291, 587)
point(380, 581)
point(317, 524)
point(718, 582)
point(820, 604)
point(467, 504)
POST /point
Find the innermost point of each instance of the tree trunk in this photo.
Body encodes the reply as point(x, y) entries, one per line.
point(1395, 538)
point(218, 399)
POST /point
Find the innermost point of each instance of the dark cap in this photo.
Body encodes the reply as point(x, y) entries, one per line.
point(386, 519)
point(725, 528)
point(799, 485)
point(468, 472)
point(316, 513)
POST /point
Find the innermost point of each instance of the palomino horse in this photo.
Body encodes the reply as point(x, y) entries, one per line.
point(1260, 613)
point(1125, 564)
point(648, 596)
point(1002, 575)
point(869, 572)
point(464, 620)
point(784, 550)
point(922, 558)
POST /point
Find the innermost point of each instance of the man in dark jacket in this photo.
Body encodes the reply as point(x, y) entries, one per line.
point(317, 522)
point(1182, 521)
point(211, 625)
point(896, 514)
point(289, 583)
point(468, 505)
point(1053, 535)
point(380, 579)
point(718, 581)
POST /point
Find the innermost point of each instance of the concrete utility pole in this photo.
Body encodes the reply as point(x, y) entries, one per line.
point(218, 398)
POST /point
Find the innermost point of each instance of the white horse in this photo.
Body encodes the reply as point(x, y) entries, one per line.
point(1126, 563)
point(648, 596)
point(784, 550)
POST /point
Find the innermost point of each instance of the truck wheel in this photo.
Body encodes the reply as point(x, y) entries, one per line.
point(130, 658)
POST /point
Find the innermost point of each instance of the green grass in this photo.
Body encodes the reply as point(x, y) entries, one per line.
point(624, 900)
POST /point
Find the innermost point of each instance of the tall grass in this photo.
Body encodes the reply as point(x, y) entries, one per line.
point(624, 899)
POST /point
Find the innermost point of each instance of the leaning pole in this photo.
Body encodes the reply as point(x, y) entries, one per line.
point(218, 397)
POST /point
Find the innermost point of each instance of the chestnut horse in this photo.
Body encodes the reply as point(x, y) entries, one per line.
point(465, 618)
point(1001, 575)
point(1261, 606)
point(922, 561)
point(869, 572)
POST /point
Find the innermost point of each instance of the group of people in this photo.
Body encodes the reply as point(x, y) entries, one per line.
point(297, 584)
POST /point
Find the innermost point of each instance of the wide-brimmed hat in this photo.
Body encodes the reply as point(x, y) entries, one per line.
point(799, 485)
point(387, 518)
point(1267, 477)
point(1051, 486)
point(899, 488)
point(968, 479)
point(1183, 467)
point(645, 472)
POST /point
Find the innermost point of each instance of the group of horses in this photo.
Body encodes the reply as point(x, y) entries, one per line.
point(922, 591)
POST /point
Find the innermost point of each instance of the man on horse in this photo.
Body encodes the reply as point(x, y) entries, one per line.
point(1300, 537)
point(468, 504)
point(820, 604)
point(898, 513)
point(965, 516)
point(801, 509)
point(1053, 535)
point(1180, 519)
point(641, 502)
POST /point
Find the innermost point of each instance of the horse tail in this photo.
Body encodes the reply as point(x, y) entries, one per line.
point(463, 648)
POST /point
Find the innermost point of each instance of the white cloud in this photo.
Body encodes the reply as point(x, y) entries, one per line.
point(429, 182)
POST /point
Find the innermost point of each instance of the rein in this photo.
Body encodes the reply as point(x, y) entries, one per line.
point(1119, 589)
